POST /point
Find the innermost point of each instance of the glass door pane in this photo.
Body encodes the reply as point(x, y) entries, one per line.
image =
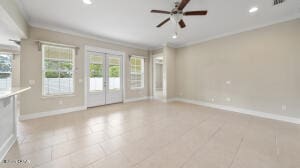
point(114, 73)
point(96, 73)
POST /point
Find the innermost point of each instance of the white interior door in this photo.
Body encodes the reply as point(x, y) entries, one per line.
point(105, 79)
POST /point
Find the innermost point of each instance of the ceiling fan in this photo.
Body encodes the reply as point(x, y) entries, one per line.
point(176, 13)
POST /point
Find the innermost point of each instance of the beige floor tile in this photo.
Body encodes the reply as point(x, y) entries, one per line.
point(115, 160)
point(112, 145)
point(151, 134)
point(136, 152)
point(63, 162)
point(86, 156)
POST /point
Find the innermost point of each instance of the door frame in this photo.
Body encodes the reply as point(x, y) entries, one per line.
point(154, 76)
point(86, 68)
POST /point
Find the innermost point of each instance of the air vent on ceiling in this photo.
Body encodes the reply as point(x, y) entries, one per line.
point(277, 2)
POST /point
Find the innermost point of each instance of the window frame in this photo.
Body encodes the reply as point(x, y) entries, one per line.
point(142, 73)
point(44, 95)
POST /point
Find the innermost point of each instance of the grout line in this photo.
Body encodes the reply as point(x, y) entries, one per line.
point(198, 149)
point(236, 153)
point(127, 159)
point(52, 154)
point(277, 148)
point(106, 154)
point(208, 140)
point(242, 141)
point(166, 145)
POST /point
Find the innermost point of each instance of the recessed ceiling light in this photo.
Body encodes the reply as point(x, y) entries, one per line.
point(88, 2)
point(175, 36)
point(253, 9)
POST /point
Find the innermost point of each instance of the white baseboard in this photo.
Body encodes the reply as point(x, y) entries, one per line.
point(163, 99)
point(51, 113)
point(136, 99)
point(6, 146)
point(172, 100)
point(243, 111)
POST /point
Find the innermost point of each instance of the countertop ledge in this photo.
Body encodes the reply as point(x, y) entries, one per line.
point(13, 91)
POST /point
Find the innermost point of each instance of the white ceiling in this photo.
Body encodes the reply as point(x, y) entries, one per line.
point(130, 21)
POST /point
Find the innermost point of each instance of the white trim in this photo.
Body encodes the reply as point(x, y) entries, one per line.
point(103, 50)
point(172, 100)
point(242, 110)
point(164, 100)
point(7, 145)
point(235, 32)
point(136, 99)
point(51, 113)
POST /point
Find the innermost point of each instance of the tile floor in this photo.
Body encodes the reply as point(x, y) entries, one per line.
point(151, 134)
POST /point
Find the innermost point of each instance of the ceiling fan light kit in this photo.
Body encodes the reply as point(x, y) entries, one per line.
point(176, 15)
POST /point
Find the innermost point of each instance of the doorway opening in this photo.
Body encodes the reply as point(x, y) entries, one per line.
point(158, 77)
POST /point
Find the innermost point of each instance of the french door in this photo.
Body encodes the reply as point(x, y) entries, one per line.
point(105, 80)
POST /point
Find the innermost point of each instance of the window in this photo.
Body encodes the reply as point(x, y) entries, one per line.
point(58, 70)
point(136, 73)
point(5, 71)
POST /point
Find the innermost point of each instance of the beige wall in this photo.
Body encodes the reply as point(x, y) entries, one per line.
point(263, 66)
point(31, 65)
point(169, 55)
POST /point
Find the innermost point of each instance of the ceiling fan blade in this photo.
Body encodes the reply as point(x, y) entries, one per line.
point(181, 23)
point(163, 22)
point(160, 11)
point(190, 13)
point(183, 4)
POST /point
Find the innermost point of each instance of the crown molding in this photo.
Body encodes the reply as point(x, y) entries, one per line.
point(89, 36)
point(294, 17)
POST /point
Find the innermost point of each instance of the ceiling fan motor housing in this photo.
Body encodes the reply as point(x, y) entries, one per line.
point(175, 18)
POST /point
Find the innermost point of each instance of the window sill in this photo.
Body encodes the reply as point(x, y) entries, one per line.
point(58, 96)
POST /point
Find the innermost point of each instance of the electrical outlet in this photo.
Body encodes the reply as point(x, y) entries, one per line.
point(212, 100)
point(228, 82)
point(31, 82)
point(228, 99)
